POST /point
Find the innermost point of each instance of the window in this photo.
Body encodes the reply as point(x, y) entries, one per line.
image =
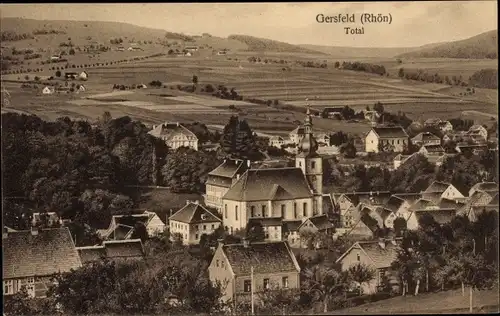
point(294, 210)
point(304, 209)
point(266, 284)
point(313, 164)
point(213, 226)
point(358, 257)
point(225, 210)
point(185, 236)
point(247, 286)
point(275, 236)
point(196, 236)
point(217, 263)
point(222, 264)
point(283, 209)
point(231, 229)
point(204, 227)
point(236, 212)
point(252, 211)
point(8, 287)
point(300, 164)
point(263, 211)
point(398, 141)
point(284, 282)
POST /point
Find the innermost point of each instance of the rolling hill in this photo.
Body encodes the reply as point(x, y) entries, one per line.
point(482, 46)
point(261, 44)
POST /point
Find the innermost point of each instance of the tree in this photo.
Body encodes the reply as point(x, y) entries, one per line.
point(401, 73)
point(400, 226)
point(58, 73)
point(348, 150)
point(195, 81)
point(323, 283)
point(255, 231)
point(361, 274)
point(378, 107)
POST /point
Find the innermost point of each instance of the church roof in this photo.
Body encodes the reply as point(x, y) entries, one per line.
point(270, 184)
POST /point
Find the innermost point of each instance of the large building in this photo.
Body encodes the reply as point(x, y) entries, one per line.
point(290, 193)
point(386, 139)
point(175, 135)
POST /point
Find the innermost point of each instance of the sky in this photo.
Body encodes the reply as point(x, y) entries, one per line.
point(413, 23)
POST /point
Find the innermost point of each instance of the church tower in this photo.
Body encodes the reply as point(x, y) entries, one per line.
point(311, 164)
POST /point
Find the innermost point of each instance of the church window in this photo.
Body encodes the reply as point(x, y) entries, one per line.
point(263, 211)
point(236, 212)
point(294, 210)
point(304, 209)
point(283, 209)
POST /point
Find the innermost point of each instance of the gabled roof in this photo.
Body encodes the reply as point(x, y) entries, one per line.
point(260, 184)
point(434, 148)
point(264, 257)
point(381, 257)
point(229, 168)
point(409, 197)
point(394, 203)
point(266, 221)
point(279, 193)
point(422, 204)
point(437, 187)
point(425, 136)
point(49, 252)
point(494, 200)
point(390, 132)
point(194, 213)
point(450, 204)
point(374, 198)
point(321, 222)
point(383, 212)
point(169, 129)
point(113, 249)
point(121, 232)
point(485, 186)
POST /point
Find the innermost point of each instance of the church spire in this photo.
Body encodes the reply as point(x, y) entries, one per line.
point(308, 145)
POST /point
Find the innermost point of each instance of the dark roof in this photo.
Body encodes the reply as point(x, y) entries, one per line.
point(390, 132)
point(425, 136)
point(374, 198)
point(321, 222)
point(394, 203)
point(434, 148)
point(49, 252)
point(262, 184)
point(194, 213)
point(382, 257)
point(115, 249)
point(450, 204)
point(486, 186)
point(229, 168)
point(383, 212)
point(169, 129)
point(291, 226)
point(121, 231)
point(409, 197)
point(264, 257)
point(267, 221)
point(441, 216)
point(494, 201)
point(434, 197)
point(422, 204)
point(131, 220)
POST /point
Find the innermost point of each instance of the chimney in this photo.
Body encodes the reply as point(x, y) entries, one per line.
point(246, 242)
point(248, 163)
point(5, 233)
point(34, 230)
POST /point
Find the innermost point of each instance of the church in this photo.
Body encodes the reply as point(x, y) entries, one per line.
point(293, 193)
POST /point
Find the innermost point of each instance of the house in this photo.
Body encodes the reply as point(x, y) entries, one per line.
point(290, 193)
point(32, 257)
point(398, 206)
point(49, 219)
point(432, 122)
point(221, 179)
point(290, 230)
point(296, 135)
point(478, 130)
point(445, 126)
point(80, 88)
point(361, 230)
point(386, 138)
point(55, 57)
point(83, 76)
point(456, 136)
point(191, 48)
point(175, 135)
point(276, 141)
point(47, 90)
point(425, 138)
point(192, 221)
point(474, 149)
point(424, 204)
point(434, 159)
point(318, 223)
point(323, 139)
point(188, 54)
point(141, 86)
point(488, 187)
point(480, 202)
point(377, 255)
point(221, 52)
point(432, 150)
point(122, 226)
point(113, 250)
point(333, 112)
point(439, 190)
point(71, 75)
point(441, 216)
point(272, 227)
point(273, 265)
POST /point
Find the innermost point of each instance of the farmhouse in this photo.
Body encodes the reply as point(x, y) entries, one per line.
point(445, 126)
point(426, 138)
point(47, 90)
point(32, 257)
point(221, 179)
point(441, 190)
point(333, 112)
point(273, 265)
point(192, 221)
point(383, 138)
point(377, 255)
point(175, 135)
point(122, 226)
point(113, 250)
point(432, 150)
point(191, 48)
point(276, 141)
point(478, 130)
point(83, 75)
point(290, 193)
point(441, 216)
point(318, 223)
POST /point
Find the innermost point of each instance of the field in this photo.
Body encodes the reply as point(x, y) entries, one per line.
point(322, 87)
point(443, 302)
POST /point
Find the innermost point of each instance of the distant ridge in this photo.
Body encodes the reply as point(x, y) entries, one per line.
point(482, 46)
point(263, 44)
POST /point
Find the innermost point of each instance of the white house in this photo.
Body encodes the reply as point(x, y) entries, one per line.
point(83, 76)
point(47, 90)
point(175, 135)
point(276, 141)
point(478, 130)
point(394, 138)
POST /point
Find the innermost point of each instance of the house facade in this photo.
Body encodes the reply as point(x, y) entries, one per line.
point(277, 141)
point(387, 138)
point(175, 135)
point(32, 257)
point(426, 138)
point(377, 255)
point(273, 264)
point(192, 221)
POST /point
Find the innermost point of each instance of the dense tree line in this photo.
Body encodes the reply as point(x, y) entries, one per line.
point(238, 140)
point(422, 75)
point(365, 67)
point(10, 36)
point(485, 78)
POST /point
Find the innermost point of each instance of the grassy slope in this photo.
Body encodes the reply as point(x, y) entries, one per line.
point(441, 302)
point(262, 44)
point(480, 46)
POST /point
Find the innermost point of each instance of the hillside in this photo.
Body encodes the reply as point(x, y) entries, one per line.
point(481, 46)
point(485, 78)
point(262, 44)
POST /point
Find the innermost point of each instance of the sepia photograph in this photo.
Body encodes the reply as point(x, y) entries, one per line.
point(321, 158)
